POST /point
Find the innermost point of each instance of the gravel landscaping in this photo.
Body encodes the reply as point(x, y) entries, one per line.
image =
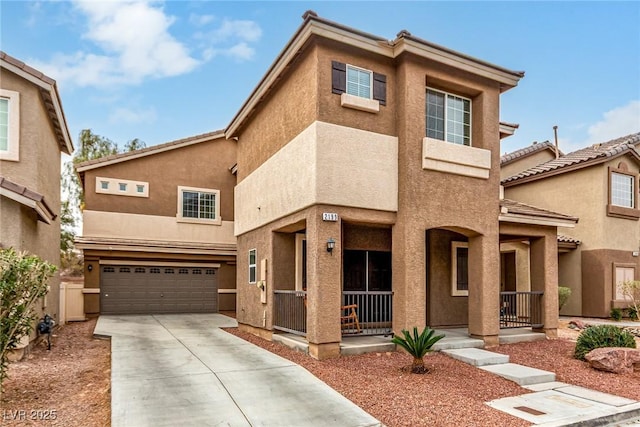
point(74, 380)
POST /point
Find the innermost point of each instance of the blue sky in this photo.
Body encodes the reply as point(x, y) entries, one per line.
point(161, 71)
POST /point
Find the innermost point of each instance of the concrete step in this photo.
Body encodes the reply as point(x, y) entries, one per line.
point(477, 357)
point(518, 336)
point(522, 375)
point(292, 341)
point(448, 343)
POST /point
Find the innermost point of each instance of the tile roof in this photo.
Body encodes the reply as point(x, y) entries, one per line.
point(593, 154)
point(51, 99)
point(21, 190)
point(523, 152)
point(519, 208)
point(150, 150)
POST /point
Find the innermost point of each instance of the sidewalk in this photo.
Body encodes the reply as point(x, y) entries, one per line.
point(552, 403)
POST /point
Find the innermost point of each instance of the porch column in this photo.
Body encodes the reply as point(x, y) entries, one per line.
point(324, 286)
point(484, 288)
point(544, 277)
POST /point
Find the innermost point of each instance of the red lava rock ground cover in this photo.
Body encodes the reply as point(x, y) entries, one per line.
point(73, 379)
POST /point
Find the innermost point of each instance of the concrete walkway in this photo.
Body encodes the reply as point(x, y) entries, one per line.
point(169, 370)
point(552, 403)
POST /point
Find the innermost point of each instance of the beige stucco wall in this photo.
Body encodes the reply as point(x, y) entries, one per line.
point(570, 276)
point(39, 170)
point(525, 162)
point(153, 227)
point(523, 270)
point(327, 164)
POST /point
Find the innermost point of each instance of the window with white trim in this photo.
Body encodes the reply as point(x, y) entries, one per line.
point(359, 82)
point(104, 185)
point(253, 266)
point(198, 204)
point(9, 125)
point(139, 188)
point(448, 117)
point(122, 186)
point(459, 269)
point(622, 190)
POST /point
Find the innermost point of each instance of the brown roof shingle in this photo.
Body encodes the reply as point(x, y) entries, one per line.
point(29, 194)
point(520, 208)
point(595, 153)
point(523, 152)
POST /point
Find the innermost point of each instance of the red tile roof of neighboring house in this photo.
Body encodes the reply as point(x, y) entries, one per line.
point(50, 97)
point(115, 158)
point(526, 151)
point(594, 154)
point(519, 208)
point(41, 207)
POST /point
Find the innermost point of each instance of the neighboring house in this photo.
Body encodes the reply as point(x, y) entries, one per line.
point(369, 172)
point(598, 184)
point(527, 157)
point(158, 228)
point(33, 133)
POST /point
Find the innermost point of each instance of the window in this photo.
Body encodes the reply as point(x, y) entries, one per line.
point(252, 265)
point(4, 124)
point(104, 185)
point(459, 269)
point(358, 82)
point(448, 117)
point(140, 188)
point(9, 125)
point(122, 186)
point(198, 205)
point(622, 274)
point(622, 190)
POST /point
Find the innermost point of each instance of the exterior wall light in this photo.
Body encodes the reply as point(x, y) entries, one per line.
point(90, 267)
point(330, 245)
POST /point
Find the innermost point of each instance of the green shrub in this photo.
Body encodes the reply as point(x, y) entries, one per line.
point(563, 296)
point(616, 314)
point(599, 336)
point(632, 313)
point(417, 346)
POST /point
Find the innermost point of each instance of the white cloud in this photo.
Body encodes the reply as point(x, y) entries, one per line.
point(135, 42)
point(618, 122)
point(200, 20)
point(128, 116)
point(238, 33)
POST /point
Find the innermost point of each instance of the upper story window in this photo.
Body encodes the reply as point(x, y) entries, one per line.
point(104, 185)
point(622, 187)
point(9, 125)
point(122, 186)
point(199, 204)
point(359, 82)
point(448, 117)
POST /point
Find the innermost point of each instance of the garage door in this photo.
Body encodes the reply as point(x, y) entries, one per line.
point(131, 289)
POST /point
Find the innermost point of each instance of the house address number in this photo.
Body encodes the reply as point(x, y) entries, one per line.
point(329, 216)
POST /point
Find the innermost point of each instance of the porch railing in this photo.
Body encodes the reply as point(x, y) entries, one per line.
point(374, 311)
point(521, 309)
point(290, 311)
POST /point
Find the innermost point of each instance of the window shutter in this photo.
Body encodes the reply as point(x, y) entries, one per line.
point(338, 77)
point(380, 88)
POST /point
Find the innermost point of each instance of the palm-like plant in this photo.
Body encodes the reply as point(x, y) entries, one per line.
point(417, 346)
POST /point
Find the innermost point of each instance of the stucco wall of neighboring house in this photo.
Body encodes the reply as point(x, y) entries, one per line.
point(431, 199)
point(39, 170)
point(288, 109)
point(525, 162)
point(203, 165)
point(579, 193)
point(570, 275)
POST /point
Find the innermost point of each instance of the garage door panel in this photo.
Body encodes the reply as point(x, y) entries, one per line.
point(137, 289)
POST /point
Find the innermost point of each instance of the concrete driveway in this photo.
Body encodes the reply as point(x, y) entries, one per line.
point(169, 370)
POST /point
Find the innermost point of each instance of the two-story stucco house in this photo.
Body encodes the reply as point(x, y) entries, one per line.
point(598, 184)
point(368, 173)
point(33, 134)
point(158, 228)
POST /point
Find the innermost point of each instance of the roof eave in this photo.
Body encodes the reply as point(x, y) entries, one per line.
point(537, 220)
